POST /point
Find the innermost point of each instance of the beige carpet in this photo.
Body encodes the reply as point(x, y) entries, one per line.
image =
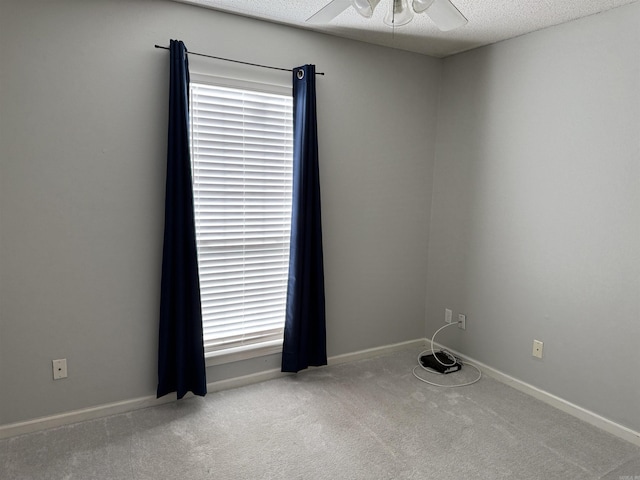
point(364, 420)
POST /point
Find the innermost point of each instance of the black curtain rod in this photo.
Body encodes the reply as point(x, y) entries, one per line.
point(238, 61)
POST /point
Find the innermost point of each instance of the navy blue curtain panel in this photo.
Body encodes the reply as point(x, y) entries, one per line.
point(305, 329)
point(181, 365)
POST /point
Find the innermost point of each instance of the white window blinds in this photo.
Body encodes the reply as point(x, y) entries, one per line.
point(241, 150)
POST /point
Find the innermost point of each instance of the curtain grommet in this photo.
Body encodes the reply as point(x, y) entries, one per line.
point(300, 74)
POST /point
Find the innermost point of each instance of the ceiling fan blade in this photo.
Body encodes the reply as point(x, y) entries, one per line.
point(330, 11)
point(445, 15)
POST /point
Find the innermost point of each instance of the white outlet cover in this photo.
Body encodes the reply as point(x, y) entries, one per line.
point(537, 348)
point(448, 315)
point(59, 368)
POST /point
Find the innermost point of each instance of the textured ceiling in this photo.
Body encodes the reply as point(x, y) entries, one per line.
point(489, 21)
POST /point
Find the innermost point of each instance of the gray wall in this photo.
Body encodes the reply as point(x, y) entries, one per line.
point(534, 229)
point(536, 210)
point(83, 102)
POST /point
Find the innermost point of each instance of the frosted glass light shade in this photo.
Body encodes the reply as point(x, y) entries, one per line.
point(365, 7)
point(420, 6)
point(445, 15)
point(399, 13)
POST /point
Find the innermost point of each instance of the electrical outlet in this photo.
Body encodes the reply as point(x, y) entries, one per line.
point(448, 315)
point(462, 321)
point(537, 348)
point(59, 369)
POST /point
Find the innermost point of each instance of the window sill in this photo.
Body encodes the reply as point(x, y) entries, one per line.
point(238, 354)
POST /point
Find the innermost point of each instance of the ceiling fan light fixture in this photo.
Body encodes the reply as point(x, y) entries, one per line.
point(365, 7)
point(420, 6)
point(399, 13)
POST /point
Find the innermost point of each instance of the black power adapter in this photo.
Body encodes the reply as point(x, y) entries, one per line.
point(428, 361)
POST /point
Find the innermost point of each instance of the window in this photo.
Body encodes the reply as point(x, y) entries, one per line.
point(241, 150)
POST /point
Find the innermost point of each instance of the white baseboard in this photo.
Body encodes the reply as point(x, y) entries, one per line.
point(74, 416)
point(67, 418)
point(375, 352)
point(125, 406)
point(583, 414)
